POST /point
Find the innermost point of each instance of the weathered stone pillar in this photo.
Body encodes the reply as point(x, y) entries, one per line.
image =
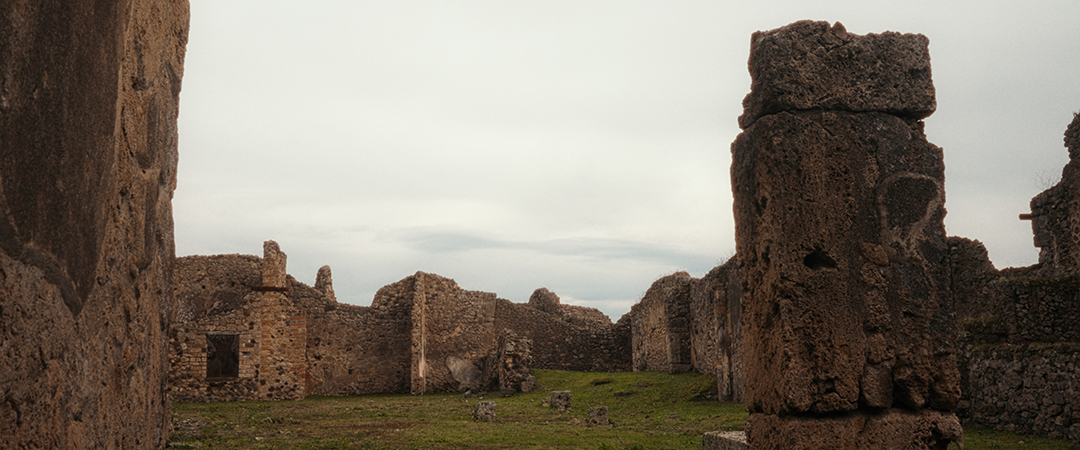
point(282, 333)
point(847, 322)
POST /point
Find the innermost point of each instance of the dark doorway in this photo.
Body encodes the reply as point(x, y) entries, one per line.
point(222, 356)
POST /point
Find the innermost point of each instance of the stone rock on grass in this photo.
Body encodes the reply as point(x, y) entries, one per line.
point(484, 411)
point(560, 400)
point(598, 415)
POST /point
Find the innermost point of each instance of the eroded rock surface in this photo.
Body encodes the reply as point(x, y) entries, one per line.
point(839, 204)
point(88, 105)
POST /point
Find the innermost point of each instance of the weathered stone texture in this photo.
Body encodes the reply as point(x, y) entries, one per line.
point(360, 350)
point(810, 65)
point(1025, 388)
point(891, 429)
point(724, 440)
point(846, 307)
point(1019, 341)
point(661, 326)
point(1055, 214)
point(839, 219)
point(88, 105)
point(447, 321)
point(242, 298)
point(558, 344)
point(598, 416)
point(484, 411)
point(715, 315)
point(560, 400)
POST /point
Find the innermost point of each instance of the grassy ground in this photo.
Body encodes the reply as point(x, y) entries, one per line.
point(648, 410)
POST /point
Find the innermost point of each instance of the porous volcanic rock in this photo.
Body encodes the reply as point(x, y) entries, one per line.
point(88, 107)
point(811, 65)
point(839, 205)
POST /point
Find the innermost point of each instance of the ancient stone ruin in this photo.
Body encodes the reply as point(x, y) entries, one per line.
point(848, 327)
point(683, 323)
point(88, 107)
point(279, 338)
point(1020, 354)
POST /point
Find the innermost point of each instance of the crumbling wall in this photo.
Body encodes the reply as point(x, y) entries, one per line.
point(360, 350)
point(1055, 214)
point(1026, 388)
point(243, 299)
point(451, 329)
point(560, 341)
point(661, 326)
point(1018, 326)
point(847, 318)
point(88, 106)
point(715, 314)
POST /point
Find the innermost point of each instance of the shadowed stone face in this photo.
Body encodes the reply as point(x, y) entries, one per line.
point(89, 97)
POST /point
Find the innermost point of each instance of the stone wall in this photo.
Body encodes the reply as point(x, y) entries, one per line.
point(661, 326)
point(451, 328)
point(1055, 213)
point(421, 334)
point(566, 339)
point(715, 315)
point(1019, 360)
point(88, 106)
point(242, 300)
point(361, 350)
point(684, 323)
point(1026, 388)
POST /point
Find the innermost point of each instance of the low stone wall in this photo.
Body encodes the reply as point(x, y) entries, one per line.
point(1032, 388)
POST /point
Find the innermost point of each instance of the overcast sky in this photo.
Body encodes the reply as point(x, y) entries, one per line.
point(582, 146)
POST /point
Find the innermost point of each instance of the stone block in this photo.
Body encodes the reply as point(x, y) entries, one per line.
point(598, 415)
point(560, 400)
point(724, 440)
point(88, 141)
point(810, 65)
point(484, 411)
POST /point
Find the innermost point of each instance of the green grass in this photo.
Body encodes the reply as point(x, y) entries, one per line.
point(978, 438)
point(648, 410)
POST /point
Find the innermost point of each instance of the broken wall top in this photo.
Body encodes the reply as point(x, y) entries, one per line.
point(810, 65)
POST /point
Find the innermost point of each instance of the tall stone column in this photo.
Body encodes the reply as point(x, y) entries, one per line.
point(282, 332)
point(847, 323)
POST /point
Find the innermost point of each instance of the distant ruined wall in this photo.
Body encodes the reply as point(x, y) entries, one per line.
point(715, 315)
point(661, 326)
point(238, 335)
point(89, 97)
point(421, 334)
point(359, 350)
point(1020, 342)
point(448, 324)
point(566, 338)
point(1055, 214)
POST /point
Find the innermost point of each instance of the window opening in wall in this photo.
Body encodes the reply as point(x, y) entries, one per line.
point(222, 356)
